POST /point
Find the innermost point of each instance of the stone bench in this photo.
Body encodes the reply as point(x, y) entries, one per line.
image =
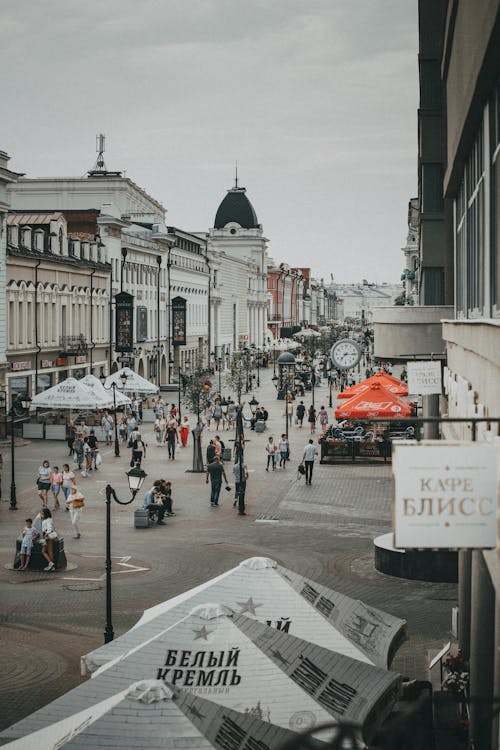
point(37, 560)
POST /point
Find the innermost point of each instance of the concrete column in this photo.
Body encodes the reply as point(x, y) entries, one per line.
point(430, 408)
point(464, 603)
point(482, 653)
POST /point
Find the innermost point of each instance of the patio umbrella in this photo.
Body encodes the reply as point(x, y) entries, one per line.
point(97, 387)
point(376, 401)
point(134, 384)
point(393, 385)
point(252, 667)
point(156, 716)
point(71, 394)
point(276, 596)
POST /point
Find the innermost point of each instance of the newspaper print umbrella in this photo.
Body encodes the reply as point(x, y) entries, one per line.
point(376, 401)
point(71, 394)
point(251, 667)
point(134, 383)
point(97, 387)
point(258, 587)
point(155, 716)
point(393, 385)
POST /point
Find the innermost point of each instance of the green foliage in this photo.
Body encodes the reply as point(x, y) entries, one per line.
point(199, 390)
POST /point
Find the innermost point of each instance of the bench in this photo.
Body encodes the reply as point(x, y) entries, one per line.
point(37, 560)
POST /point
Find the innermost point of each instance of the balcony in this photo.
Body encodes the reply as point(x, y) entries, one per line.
point(71, 346)
point(405, 332)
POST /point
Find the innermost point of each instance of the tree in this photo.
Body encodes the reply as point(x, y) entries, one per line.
point(197, 396)
point(237, 378)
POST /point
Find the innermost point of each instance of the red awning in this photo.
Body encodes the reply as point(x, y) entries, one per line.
point(375, 401)
point(390, 383)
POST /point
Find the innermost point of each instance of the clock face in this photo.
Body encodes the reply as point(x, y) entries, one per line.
point(345, 354)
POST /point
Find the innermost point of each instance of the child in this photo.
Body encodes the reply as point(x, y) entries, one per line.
point(29, 535)
point(56, 479)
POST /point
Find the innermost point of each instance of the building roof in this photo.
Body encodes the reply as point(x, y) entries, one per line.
point(236, 208)
point(26, 219)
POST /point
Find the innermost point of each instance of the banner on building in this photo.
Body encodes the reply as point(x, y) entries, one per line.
point(424, 377)
point(142, 324)
point(445, 495)
point(124, 322)
point(179, 320)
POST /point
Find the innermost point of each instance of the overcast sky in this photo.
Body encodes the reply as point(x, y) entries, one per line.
point(315, 99)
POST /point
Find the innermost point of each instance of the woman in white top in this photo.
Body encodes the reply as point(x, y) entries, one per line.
point(68, 480)
point(43, 482)
point(47, 538)
point(159, 428)
point(271, 453)
point(75, 503)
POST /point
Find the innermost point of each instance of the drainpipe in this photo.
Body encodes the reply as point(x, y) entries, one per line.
point(169, 312)
point(92, 345)
point(158, 359)
point(110, 350)
point(38, 347)
point(209, 301)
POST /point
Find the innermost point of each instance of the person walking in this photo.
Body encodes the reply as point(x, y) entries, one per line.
point(240, 474)
point(311, 418)
point(271, 453)
point(171, 437)
point(215, 471)
point(70, 436)
point(138, 451)
point(289, 408)
point(94, 447)
point(300, 412)
point(184, 431)
point(323, 418)
point(75, 503)
point(55, 485)
point(78, 449)
point(159, 429)
point(217, 414)
point(68, 480)
point(284, 450)
point(107, 424)
point(310, 452)
point(43, 483)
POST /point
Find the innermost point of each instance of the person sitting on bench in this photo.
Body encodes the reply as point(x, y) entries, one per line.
point(153, 503)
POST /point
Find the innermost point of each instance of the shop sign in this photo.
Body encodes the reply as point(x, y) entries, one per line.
point(445, 495)
point(47, 363)
point(80, 359)
point(179, 320)
point(62, 361)
point(21, 365)
point(124, 322)
point(424, 377)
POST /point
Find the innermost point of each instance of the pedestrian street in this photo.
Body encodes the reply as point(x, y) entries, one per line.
point(323, 531)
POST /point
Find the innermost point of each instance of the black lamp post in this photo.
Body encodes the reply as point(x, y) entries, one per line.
point(253, 405)
point(113, 386)
point(330, 403)
point(24, 402)
point(258, 368)
point(136, 477)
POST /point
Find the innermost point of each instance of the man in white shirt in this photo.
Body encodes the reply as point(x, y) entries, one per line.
point(308, 459)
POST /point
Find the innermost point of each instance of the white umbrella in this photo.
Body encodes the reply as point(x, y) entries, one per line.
point(107, 395)
point(277, 596)
point(134, 383)
point(71, 394)
point(174, 718)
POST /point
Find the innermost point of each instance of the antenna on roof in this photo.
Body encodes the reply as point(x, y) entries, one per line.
point(100, 141)
point(99, 169)
point(236, 175)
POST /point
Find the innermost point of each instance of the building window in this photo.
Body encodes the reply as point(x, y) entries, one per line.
point(495, 198)
point(470, 235)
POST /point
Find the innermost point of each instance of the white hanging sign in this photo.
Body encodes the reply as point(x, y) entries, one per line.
point(445, 494)
point(424, 377)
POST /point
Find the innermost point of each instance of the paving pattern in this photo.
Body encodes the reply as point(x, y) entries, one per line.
point(324, 531)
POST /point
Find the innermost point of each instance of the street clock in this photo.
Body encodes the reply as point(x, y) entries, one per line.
point(345, 354)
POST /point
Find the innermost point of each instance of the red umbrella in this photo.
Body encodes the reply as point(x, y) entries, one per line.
point(374, 401)
point(393, 385)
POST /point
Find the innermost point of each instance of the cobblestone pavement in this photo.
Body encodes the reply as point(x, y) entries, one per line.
point(324, 531)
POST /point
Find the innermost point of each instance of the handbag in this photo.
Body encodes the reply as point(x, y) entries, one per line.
point(301, 469)
point(98, 459)
point(52, 535)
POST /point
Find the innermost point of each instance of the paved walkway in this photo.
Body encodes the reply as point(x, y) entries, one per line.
point(324, 531)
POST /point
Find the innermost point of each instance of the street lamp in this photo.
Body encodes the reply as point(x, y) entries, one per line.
point(253, 404)
point(113, 386)
point(258, 367)
point(23, 401)
point(136, 477)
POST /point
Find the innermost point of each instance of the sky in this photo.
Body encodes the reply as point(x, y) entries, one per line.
point(316, 101)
